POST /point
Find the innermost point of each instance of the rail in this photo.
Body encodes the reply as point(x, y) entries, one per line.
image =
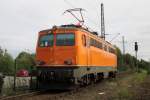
point(20, 95)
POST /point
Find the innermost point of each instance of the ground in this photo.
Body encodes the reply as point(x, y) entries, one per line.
point(133, 86)
point(127, 86)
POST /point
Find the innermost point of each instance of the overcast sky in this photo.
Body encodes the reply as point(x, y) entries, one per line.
point(21, 20)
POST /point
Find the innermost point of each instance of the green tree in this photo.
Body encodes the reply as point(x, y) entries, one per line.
point(129, 60)
point(120, 62)
point(119, 56)
point(25, 61)
point(6, 62)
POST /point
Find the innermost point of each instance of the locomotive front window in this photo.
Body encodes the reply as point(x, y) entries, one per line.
point(65, 39)
point(46, 40)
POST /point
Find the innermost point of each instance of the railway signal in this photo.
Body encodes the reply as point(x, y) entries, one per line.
point(136, 46)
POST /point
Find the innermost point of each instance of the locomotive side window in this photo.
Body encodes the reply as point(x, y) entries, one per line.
point(84, 40)
point(92, 42)
point(111, 50)
point(100, 45)
point(46, 40)
point(96, 43)
point(105, 47)
point(65, 39)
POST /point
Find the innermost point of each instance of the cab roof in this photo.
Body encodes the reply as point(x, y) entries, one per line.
point(75, 28)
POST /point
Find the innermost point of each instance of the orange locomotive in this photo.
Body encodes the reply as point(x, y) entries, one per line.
point(71, 55)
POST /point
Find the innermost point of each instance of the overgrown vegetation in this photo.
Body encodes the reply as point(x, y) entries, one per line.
point(125, 88)
point(129, 62)
point(23, 61)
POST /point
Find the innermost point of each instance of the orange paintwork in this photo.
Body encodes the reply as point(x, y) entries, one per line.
point(79, 54)
point(92, 56)
point(55, 55)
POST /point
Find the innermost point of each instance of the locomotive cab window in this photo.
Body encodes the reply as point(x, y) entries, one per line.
point(46, 40)
point(65, 39)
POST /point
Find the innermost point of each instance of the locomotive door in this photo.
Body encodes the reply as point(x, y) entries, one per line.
point(86, 43)
point(88, 51)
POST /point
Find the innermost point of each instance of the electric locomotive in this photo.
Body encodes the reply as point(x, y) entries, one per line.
point(70, 55)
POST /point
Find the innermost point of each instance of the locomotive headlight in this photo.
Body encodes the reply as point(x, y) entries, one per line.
point(68, 62)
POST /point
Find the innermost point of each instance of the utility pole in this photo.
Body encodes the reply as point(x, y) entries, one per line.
point(123, 50)
point(123, 45)
point(136, 50)
point(102, 22)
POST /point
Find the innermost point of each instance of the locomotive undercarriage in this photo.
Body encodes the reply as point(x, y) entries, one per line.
point(70, 77)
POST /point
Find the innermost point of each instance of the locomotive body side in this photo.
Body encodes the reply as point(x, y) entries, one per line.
point(94, 61)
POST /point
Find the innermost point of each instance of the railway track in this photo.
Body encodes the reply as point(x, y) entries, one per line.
point(14, 97)
point(53, 95)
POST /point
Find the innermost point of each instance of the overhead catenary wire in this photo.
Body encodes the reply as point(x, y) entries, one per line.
point(70, 4)
point(114, 37)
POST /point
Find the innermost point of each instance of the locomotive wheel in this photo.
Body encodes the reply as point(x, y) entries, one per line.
point(92, 78)
point(96, 78)
point(112, 74)
point(87, 80)
point(82, 82)
point(100, 76)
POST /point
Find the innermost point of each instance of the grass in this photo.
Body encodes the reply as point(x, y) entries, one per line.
point(124, 93)
point(139, 77)
point(125, 86)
